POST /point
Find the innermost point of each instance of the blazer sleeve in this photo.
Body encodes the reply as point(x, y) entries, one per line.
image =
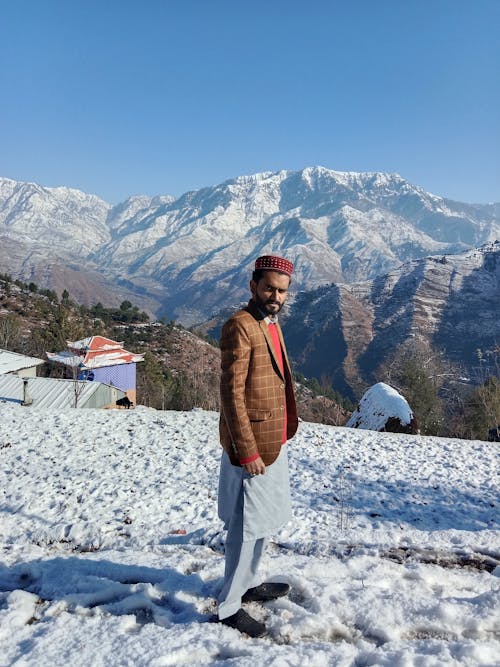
point(236, 351)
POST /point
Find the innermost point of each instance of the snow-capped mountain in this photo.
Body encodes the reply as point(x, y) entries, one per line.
point(345, 331)
point(48, 234)
point(65, 219)
point(192, 255)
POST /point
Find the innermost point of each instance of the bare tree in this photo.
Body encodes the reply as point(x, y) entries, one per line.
point(10, 330)
point(79, 384)
point(482, 407)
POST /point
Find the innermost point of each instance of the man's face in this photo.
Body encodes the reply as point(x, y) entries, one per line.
point(270, 292)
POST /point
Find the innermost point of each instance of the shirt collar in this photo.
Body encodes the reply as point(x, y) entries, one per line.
point(269, 319)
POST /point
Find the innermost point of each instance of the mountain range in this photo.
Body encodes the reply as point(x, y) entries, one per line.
point(187, 257)
point(377, 259)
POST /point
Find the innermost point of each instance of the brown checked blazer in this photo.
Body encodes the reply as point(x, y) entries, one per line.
point(254, 393)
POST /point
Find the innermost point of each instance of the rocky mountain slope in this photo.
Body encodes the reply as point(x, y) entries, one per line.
point(47, 236)
point(188, 257)
point(343, 332)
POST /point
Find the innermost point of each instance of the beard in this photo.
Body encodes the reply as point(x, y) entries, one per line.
point(269, 306)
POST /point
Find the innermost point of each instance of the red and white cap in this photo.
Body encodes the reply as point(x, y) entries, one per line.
point(274, 263)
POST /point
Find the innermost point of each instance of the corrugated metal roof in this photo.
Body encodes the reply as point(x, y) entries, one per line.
point(48, 392)
point(10, 362)
point(95, 343)
point(95, 352)
point(102, 359)
point(65, 357)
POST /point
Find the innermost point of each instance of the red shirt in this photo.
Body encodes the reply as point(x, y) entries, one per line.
point(279, 355)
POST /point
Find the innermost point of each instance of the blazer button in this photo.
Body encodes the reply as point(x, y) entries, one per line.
point(282, 386)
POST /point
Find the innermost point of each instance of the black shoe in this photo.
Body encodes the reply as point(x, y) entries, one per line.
point(265, 592)
point(245, 623)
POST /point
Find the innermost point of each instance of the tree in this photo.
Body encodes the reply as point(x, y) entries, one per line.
point(482, 406)
point(199, 389)
point(10, 330)
point(79, 383)
point(155, 386)
point(60, 325)
point(482, 410)
point(419, 373)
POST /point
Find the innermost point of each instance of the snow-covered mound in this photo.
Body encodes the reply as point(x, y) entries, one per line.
point(112, 552)
point(382, 408)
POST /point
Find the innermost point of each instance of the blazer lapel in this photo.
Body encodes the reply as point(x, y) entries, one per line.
point(256, 314)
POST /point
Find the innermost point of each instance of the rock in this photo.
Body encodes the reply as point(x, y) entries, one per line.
point(494, 434)
point(382, 408)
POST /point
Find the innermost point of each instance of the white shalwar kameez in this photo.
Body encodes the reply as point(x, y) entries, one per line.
point(252, 508)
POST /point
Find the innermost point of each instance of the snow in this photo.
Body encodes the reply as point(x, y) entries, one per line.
point(13, 362)
point(112, 550)
point(377, 404)
point(343, 226)
point(99, 352)
point(65, 357)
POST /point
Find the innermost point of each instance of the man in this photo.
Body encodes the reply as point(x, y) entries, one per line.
point(258, 416)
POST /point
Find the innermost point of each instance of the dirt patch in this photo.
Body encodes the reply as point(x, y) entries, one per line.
point(475, 561)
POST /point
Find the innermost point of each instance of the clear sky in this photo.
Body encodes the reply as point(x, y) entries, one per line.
point(120, 97)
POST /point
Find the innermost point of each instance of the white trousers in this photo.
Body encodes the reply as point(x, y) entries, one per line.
point(252, 508)
point(242, 563)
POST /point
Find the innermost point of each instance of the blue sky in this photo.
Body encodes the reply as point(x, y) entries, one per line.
point(120, 97)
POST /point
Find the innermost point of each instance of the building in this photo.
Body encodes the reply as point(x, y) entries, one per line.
point(19, 364)
point(57, 393)
point(99, 359)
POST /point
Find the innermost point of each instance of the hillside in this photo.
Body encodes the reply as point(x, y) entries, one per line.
point(181, 369)
point(35, 321)
point(347, 331)
point(112, 549)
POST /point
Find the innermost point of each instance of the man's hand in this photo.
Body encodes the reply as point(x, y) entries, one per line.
point(256, 467)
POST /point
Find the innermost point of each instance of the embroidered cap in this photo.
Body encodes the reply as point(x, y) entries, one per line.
point(274, 263)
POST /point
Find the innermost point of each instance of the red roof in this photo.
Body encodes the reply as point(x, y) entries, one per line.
point(96, 352)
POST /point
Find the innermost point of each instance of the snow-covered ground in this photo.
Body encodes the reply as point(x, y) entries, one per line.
point(112, 550)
